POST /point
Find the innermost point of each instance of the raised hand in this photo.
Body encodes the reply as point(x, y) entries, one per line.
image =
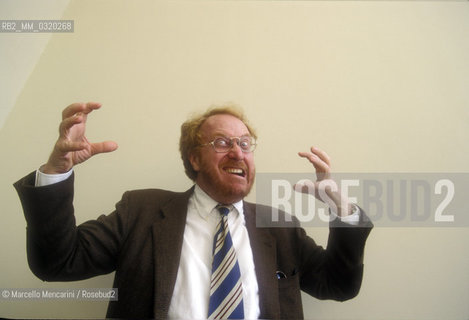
point(324, 188)
point(72, 146)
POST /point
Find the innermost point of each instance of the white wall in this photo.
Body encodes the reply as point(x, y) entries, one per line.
point(381, 86)
point(20, 52)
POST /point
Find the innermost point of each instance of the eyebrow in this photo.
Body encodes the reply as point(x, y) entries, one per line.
point(221, 135)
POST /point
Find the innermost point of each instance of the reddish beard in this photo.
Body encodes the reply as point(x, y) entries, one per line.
point(223, 191)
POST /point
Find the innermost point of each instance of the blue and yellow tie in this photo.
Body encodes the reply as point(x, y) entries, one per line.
point(226, 292)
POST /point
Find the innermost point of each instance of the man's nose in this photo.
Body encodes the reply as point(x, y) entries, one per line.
point(235, 151)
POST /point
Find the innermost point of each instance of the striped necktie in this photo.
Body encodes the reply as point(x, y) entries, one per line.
point(226, 293)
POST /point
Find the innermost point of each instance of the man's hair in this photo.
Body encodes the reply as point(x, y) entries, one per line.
point(191, 137)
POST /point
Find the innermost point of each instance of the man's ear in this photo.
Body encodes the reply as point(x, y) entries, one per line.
point(195, 161)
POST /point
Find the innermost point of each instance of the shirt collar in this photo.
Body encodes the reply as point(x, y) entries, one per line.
point(204, 204)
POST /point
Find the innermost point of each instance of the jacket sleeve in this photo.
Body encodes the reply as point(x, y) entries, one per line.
point(336, 272)
point(57, 249)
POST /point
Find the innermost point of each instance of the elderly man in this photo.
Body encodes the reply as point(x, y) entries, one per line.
point(195, 254)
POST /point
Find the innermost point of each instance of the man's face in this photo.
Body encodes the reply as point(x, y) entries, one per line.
point(226, 177)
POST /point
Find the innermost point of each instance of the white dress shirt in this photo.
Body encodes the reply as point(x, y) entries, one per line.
point(192, 290)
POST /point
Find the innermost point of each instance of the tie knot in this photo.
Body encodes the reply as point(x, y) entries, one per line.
point(223, 210)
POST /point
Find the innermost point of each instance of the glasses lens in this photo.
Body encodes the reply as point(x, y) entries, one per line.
point(246, 143)
point(223, 144)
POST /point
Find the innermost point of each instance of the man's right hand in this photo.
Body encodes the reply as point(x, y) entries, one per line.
point(72, 147)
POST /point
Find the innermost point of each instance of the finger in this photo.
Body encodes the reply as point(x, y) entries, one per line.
point(305, 186)
point(103, 147)
point(73, 109)
point(90, 106)
point(322, 168)
point(317, 162)
point(68, 123)
point(65, 146)
point(79, 107)
point(322, 155)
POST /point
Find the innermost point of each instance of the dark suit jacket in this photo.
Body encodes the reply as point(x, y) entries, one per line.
point(142, 239)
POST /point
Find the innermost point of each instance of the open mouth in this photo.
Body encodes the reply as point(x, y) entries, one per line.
point(236, 171)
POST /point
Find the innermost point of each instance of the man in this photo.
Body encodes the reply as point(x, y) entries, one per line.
point(162, 244)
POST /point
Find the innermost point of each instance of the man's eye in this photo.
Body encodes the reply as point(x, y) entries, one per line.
point(245, 144)
point(222, 142)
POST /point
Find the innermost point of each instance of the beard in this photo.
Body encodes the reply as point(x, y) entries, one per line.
point(223, 191)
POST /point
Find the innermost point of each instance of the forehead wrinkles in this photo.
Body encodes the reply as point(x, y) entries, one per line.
point(223, 125)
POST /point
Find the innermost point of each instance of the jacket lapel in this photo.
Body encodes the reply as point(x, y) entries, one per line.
point(168, 233)
point(263, 247)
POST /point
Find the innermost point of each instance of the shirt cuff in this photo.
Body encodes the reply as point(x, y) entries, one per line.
point(352, 219)
point(44, 179)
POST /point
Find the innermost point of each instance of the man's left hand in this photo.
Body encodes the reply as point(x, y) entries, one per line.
point(324, 188)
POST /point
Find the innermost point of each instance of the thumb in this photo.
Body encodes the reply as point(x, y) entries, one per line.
point(305, 186)
point(103, 147)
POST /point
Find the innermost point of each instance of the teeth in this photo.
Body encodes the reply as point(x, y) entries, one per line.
point(235, 171)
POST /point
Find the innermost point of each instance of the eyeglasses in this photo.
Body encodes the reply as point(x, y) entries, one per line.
point(224, 144)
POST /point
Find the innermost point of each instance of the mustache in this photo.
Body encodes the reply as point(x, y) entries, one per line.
point(236, 164)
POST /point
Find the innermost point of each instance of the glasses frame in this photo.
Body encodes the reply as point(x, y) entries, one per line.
point(238, 142)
